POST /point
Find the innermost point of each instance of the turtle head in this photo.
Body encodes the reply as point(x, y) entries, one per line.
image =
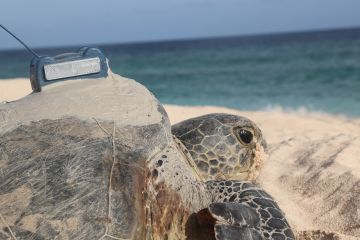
point(222, 146)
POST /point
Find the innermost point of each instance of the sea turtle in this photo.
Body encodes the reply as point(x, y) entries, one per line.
point(96, 159)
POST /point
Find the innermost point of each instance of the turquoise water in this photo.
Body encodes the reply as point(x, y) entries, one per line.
point(319, 71)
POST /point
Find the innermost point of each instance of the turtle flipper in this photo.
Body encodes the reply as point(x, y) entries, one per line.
point(234, 214)
point(242, 207)
point(229, 221)
point(228, 232)
point(234, 221)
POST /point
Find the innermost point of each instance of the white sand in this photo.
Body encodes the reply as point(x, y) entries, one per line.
point(313, 170)
point(14, 89)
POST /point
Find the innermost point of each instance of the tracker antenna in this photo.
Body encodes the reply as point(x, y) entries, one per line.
point(28, 48)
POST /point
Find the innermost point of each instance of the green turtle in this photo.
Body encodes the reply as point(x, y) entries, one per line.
point(97, 159)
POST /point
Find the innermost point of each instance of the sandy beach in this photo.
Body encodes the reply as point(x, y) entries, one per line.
point(313, 168)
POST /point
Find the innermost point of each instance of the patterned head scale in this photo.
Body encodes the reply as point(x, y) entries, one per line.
point(223, 146)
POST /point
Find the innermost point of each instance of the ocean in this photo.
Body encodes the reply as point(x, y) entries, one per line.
point(312, 71)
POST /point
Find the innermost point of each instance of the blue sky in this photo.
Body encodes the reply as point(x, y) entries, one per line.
point(80, 22)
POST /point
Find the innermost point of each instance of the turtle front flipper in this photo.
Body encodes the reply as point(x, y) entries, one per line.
point(229, 220)
point(242, 210)
point(226, 232)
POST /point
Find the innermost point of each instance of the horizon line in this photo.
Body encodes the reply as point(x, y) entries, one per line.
point(185, 39)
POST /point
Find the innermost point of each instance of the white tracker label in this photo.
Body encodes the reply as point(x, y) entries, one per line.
point(72, 68)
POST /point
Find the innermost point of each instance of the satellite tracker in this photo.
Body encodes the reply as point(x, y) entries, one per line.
point(87, 62)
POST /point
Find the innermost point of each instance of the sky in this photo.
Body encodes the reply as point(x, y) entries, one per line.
point(45, 23)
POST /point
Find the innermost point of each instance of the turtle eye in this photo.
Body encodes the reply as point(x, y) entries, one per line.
point(245, 136)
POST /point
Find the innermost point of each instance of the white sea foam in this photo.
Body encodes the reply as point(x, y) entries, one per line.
point(302, 111)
